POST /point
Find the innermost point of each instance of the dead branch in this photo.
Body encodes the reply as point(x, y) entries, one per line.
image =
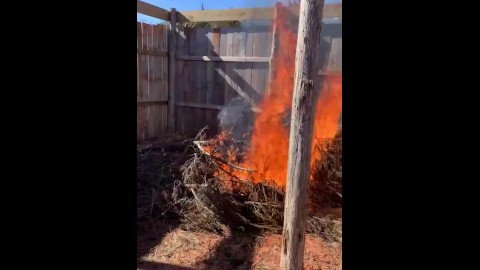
point(335, 191)
point(266, 204)
point(195, 185)
point(200, 201)
point(201, 133)
point(197, 143)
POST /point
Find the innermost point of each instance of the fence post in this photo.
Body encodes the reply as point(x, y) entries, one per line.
point(301, 129)
point(172, 45)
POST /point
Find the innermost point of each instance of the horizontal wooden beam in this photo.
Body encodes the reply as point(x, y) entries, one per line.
point(153, 11)
point(149, 102)
point(245, 14)
point(224, 59)
point(329, 11)
point(199, 105)
point(208, 106)
point(152, 52)
point(241, 14)
point(220, 15)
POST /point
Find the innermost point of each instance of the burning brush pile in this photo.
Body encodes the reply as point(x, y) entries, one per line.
point(240, 184)
point(219, 193)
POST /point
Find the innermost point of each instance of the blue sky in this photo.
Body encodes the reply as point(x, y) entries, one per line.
point(184, 5)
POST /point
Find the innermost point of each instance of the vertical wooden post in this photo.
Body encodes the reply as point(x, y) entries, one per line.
point(301, 129)
point(172, 46)
point(271, 71)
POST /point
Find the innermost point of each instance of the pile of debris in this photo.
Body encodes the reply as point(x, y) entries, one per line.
point(185, 185)
point(158, 169)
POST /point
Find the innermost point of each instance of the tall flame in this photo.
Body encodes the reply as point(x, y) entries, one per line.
point(268, 151)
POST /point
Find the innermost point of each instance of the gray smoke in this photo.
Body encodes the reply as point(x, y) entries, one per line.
point(236, 118)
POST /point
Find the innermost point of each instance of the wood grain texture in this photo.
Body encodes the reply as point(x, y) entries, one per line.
point(301, 130)
point(152, 85)
point(261, 48)
point(244, 14)
point(153, 11)
point(180, 82)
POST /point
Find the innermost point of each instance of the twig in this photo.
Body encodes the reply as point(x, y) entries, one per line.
point(335, 191)
point(231, 165)
point(279, 191)
point(264, 194)
point(243, 181)
point(153, 199)
point(273, 228)
point(195, 185)
point(197, 143)
point(201, 203)
point(267, 204)
point(166, 210)
point(199, 134)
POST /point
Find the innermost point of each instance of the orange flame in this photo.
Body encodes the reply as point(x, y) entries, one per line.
point(268, 151)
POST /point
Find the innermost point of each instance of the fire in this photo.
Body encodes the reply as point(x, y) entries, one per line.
point(328, 110)
point(268, 148)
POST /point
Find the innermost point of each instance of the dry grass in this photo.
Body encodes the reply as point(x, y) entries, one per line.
point(330, 229)
point(171, 244)
point(200, 250)
point(183, 248)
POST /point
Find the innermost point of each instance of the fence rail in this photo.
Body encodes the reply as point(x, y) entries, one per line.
point(240, 14)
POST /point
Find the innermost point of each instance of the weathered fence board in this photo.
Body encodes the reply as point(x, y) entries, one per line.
point(152, 80)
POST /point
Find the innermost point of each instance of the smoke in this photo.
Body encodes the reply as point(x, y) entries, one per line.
point(236, 119)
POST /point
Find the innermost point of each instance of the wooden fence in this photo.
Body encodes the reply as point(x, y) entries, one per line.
point(152, 80)
point(211, 66)
point(214, 66)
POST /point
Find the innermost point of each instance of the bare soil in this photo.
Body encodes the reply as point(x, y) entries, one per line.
point(179, 249)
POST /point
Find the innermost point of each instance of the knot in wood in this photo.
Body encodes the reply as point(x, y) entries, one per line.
point(306, 82)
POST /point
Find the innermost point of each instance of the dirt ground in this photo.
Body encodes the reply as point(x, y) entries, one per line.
point(178, 249)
